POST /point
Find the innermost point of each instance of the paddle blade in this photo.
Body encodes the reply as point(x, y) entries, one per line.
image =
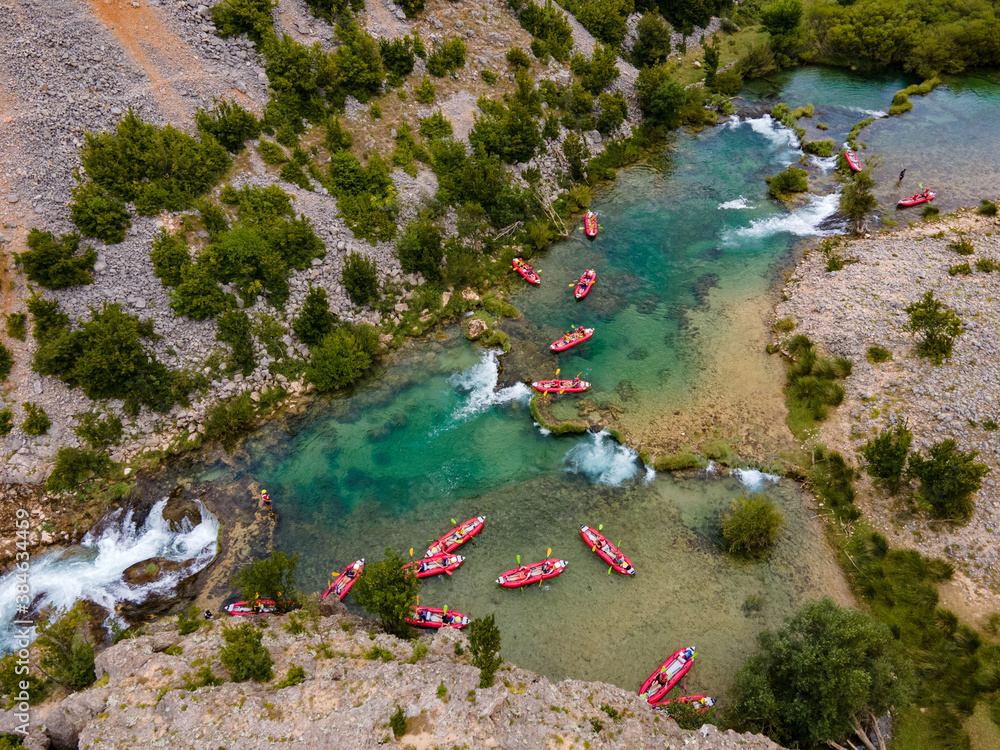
point(411, 551)
point(600, 527)
point(518, 559)
point(609, 571)
point(549, 552)
point(454, 522)
point(558, 370)
point(446, 609)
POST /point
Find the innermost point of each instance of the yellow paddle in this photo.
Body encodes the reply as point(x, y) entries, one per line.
point(411, 551)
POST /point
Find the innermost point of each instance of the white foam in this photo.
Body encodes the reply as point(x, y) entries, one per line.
point(93, 569)
point(737, 203)
point(753, 479)
point(650, 475)
point(802, 222)
point(543, 430)
point(480, 383)
point(783, 140)
point(602, 460)
point(825, 163)
point(869, 112)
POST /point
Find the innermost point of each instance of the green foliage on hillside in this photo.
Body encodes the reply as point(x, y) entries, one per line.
point(885, 456)
point(386, 589)
point(550, 29)
point(751, 526)
point(937, 326)
point(54, 263)
point(315, 319)
point(6, 362)
point(235, 329)
point(653, 44)
point(64, 647)
point(420, 249)
point(447, 58)
point(600, 71)
point(784, 184)
point(99, 214)
point(244, 655)
point(271, 578)
point(229, 124)
point(73, 466)
point(170, 257)
point(948, 480)
point(360, 277)
point(250, 17)
point(812, 380)
point(484, 644)
point(338, 360)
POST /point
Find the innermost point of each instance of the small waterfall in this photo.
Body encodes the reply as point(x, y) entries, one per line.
point(803, 222)
point(753, 479)
point(480, 383)
point(93, 569)
point(735, 204)
point(602, 460)
point(783, 141)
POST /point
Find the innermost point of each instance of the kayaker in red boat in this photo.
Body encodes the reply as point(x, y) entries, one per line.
point(662, 678)
point(447, 618)
point(927, 192)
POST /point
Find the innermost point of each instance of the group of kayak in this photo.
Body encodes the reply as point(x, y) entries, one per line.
point(577, 334)
point(924, 196)
point(666, 677)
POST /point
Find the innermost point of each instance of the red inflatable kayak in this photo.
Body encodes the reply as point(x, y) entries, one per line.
point(457, 536)
point(561, 386)
point(574, 337)
point(532, 573)
point(586, 282)
point(435, 565)
point(917, 199)
point(611, 554)
point(852, 161)
point(672, 670)
point(260, 607)
point(701, 703)
point(342, 584)
point(429, 617)
point(530, 274)
point(590, 224)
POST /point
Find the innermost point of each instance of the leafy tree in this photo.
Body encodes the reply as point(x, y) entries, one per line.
point(250, 17)
point(6, 421)
point(235, 330)
point(100, 433)
point(16, 325)
point(73, 466)
point(65, 649)
point(10, 682)
point(170, 257)
point(550, 29)
point(751, 526)
point(606, 19)
point(484, 643)
point(6, 362)
point(228, 418)
point(338, 138)
point(446, 58)
point(711, 64)
point(575, 151)
point(885, 456)
point(357, 63)
point(388, 590)
point(244, 655)
point(666, 105)
point(435, 125)
point(113, 357)
point(782, 19)
point(614, 110)
point(244, 258)
point(517, 59)
point(937, 325)
point(315, 321)
point(397, 54)
point(600, 71)
point(99, 214)
point(425, 91)
point(653, 44)
point(272, 578)
point(37, 421)
point(47, 319)
point(420, 250)
point(948, 480)
point(826, 673)
point(360, 277)
point(53, 263)
point(856, 199)
point(198, 296)
point(229, 124)
point(792, 180)
point(337, 361)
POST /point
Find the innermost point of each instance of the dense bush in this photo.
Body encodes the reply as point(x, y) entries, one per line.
point(987, 208)
point(96, 213)
point(386, 589)
point(948, 480)
point(16, 325)
point(360, 277)
point(244, 656)
point(54, 263)
point(782, 19)
point(170, 256)
point(877, 354)
point(198, 296)
point(885, 456)
point(576, 152)
point(447, 57)
point(73, 466)
point(229, 124)
point(10, 684)
point(937, 326)
point(435, 125)
point(64, 648)
point(271, 152)
point(812, 385)
point(484, 644)
point(365, 195)
point(292, 172)
point(600, 71)
point(518, 59)
point(605, 19)
point(250, 17)
point(509, 133)
point(751, 526)
point(47, 319)
point(661, 98)
point(337, 361)
point(784, 184)
point(100, 433)
point(235, 330)
point(270, 578)
point(155, 168)
point(424, 93)
point(397, 55)
point(6, 421)
point(550, 29)
point(728, 83)
point(333, 10)
point(833, 482)
point(228, 418)
point(823, 148)
point(614, 110)
point(6, 362)
point(357, 64)
point(653, 44)
point(36, 422)
point(315, 320)
point(857, 198)
point(420, 249)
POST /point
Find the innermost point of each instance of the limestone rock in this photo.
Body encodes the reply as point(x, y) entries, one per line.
point(476, 328)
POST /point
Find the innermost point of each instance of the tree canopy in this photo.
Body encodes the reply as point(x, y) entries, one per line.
point(388, 590)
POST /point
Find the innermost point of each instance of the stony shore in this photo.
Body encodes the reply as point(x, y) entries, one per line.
point(345, 699)
point(847, 311)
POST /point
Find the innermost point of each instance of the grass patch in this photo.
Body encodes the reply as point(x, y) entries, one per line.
point(877, 354)
point(901, 99)
point(677, 462)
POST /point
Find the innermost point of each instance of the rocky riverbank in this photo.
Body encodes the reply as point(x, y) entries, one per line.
point(353, 682)
point(847, 311)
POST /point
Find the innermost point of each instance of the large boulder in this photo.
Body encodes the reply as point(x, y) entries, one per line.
point(476, 328)
point(179, 509)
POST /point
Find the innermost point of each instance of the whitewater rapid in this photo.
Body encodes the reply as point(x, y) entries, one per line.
point(603, 461)
point(479, 385)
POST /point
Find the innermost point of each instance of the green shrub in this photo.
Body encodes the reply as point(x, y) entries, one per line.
point(728, 83)
point(446, 58)
point(48, 320)
point(605, 19)
point(235, 330)
point(271, 152)
point(229, 417)
point(6, 421)
point(315, 321)
point(930, 212)
point(377, 653)
point(386, 589)
point(962, 246)
point(652, 46)
point(271, 578)
point(600, 71)
point(420, 250)
point(613, 112)
point(244, 656)
point(198, 296)
point(937, 326)
point(824, 148)
point(360, 277)
point(784, 184)
point(397, 722)
point(877, 354)
point(948, 480)
point(16, 325)
point(488, 76)
point(100, 433)
point(188, 622)
point(250, 17)
point(987, 208)
point(812, 385)
point(37, 422)
point(751, 526)
point(550, 29)
point(54, 263)
point(203, 677)
point(292, 172)
point(10, 682)
point(425, 91)
point(295, 676)
point(517, 59)
point(73, 466)
point(987, 265)
point(484, 644)
point(229, 124)
point(435, 125)
point(337, 361)
point(64, 648)
point(170, 257)
point(398, 57)
point(6, 362)
point(885, 456)
point(962, 268)
point(98, 214)
point(337, 137)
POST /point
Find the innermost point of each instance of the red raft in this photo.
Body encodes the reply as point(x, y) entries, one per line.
point(917, 199)
point(700, 703)
point(531, 573)
point(658, 684)
point(530, 274)
point(342, 584)
point(561, 386)
point(574, 337)
point(430, 617)
point(611, 554)
point(457, 536)
point(590, 224)
point(259, 607)
point(435, 565)
point(852, 161)
point(585, 284)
